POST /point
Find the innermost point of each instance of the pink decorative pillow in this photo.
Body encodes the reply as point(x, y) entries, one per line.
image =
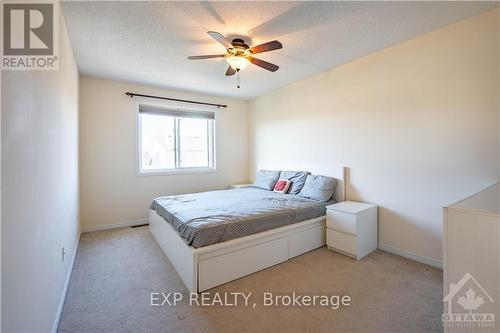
point(282, 186)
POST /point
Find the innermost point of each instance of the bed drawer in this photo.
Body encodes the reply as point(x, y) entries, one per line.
point(341, 221)
point(214, 271)
point(306, 241)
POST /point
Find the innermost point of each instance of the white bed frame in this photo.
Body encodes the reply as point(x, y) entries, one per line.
point(210, 266)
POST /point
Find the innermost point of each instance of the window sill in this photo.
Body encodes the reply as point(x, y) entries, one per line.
point(176, 172)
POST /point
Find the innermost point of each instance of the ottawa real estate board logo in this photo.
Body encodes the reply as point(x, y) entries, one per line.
point(30, 35)
point(468, 305)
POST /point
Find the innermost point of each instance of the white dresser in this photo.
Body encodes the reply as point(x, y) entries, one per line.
point(471, 254)
point(351, 228)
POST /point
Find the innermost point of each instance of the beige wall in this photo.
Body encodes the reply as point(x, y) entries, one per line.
point(415, 123)
point(39, 190)
point(111, 190)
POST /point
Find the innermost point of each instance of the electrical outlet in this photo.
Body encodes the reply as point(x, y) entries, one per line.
point(63, 253)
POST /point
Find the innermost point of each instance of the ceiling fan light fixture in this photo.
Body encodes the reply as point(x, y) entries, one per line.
point(238, 63)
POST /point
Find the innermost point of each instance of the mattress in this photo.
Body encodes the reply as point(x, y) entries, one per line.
point(207, 218)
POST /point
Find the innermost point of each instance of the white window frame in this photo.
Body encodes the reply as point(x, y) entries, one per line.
point(177, 170)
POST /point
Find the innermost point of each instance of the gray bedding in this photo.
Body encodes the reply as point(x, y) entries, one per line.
point(207, 218)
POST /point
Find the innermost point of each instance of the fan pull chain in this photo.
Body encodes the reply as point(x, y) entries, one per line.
point(238, 78)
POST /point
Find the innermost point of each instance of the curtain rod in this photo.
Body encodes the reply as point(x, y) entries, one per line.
point(175, 99)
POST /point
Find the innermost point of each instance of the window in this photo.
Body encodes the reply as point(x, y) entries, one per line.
point(175, 141)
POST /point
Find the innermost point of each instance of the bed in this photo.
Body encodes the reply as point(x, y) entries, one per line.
point(215, 237)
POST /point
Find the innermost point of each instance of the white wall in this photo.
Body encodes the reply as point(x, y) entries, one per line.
point(415, 123)
point(498, 71)
point(39, 190)
point(111, 190)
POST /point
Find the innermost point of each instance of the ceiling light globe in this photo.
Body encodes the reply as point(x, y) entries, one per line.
point(238, 62)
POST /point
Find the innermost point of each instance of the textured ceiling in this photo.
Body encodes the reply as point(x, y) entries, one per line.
point(148, 42)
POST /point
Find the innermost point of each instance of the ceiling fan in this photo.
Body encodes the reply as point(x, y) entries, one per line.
point(239, 55)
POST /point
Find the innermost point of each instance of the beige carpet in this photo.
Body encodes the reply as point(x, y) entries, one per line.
point(116, 270)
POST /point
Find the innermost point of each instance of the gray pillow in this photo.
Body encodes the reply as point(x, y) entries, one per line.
point(266, 179)
point(298, 179)
point(319, 188)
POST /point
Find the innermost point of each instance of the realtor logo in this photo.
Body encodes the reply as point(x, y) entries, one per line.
point(468, 304)
point(29, 39)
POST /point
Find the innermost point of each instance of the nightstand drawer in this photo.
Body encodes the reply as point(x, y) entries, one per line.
point(342, 241)
point(341, 221)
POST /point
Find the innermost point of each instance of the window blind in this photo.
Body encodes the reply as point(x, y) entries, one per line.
point(176, 113)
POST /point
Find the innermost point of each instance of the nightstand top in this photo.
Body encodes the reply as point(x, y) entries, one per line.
point(351, 207)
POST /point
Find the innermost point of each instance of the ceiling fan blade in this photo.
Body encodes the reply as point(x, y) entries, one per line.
point(269, 46)
point(221, 39)
point(230, 71)
point(206, 56)
point(263, 64)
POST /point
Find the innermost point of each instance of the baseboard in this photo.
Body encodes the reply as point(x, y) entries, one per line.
point(124, 224)
point(66, 285)
point(412, 256)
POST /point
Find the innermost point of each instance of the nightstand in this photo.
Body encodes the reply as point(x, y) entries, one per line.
point(240, 186)
point(351, 228)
